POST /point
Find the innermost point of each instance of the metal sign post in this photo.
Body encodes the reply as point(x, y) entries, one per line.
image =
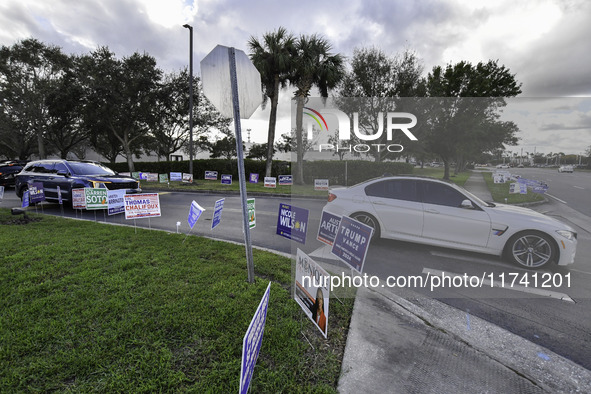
point(241, 175)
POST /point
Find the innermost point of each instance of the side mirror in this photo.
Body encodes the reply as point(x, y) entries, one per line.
point(466, 204)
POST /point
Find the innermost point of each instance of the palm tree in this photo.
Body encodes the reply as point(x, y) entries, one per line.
point(313, 66)
point(272, 57)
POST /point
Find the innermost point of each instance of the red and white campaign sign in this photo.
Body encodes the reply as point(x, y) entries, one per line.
point(142, 206)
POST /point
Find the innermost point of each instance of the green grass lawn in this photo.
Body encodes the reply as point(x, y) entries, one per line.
point(206, 185)
point(94, 307)
point(500, 192)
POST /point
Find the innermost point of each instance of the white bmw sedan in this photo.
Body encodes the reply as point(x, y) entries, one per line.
point(436, 212)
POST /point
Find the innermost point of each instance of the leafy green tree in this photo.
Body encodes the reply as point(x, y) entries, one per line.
point(28, 71)
point(273, 58)
point(120, 97)
point(258, 151)
point(463, 117)
point(314, 66)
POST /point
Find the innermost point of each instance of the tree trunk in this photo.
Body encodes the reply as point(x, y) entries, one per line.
point(445, 169)
point(272, 124)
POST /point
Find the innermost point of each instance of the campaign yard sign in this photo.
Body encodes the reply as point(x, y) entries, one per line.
point(95, 198)
point(78, 199)
point(351, 242)
point(152, 177)
point(253, 178)
point(285, 180)
point(312, 290)
point(271, 182)
point(135, 175)
point(188, 178)
point(251, 344)
point(217, 213)
point(143, 176)
point(226, 179)
point(25, 199)
point(327, 230)
point(515, 188)
point(176, 176)
point(252, 220)
point(211, 175)
point(292, 222)
point(195, 212)
point(115, 202)
point(36, 192)
point(320, 184)
point(138, 206)
point(163, 178)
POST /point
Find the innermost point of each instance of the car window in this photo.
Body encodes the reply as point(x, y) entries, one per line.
point(441, 194)
point(399, 189)
point(90, 169)
point(60, 167)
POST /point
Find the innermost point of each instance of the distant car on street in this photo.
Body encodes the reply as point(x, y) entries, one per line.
point(502, 166)
point(434, 212)
point(71, 174)
point(8, 171)
point(566, 168)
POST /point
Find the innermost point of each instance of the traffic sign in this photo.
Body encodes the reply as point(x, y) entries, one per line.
point(215, 76)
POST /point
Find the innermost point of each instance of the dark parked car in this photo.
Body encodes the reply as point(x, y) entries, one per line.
point(8, 171)
point(70, 174)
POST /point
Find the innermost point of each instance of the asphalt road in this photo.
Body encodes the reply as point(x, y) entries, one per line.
point(559, 319)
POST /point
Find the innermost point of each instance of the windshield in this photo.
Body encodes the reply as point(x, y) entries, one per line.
point(90, 169)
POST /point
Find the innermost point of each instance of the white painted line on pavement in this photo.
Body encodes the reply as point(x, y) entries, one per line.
point(579, 187)
point(505, 285)
point(556, 198)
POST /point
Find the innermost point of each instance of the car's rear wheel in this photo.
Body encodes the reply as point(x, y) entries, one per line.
point(368, 220)
point(531, 249)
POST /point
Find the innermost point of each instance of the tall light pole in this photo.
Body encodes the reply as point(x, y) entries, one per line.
point(190, 97)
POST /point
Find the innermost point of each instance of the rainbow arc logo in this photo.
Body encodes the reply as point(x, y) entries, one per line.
point(316, 115)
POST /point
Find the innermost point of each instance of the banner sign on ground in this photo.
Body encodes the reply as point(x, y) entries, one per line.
point(187, 177)
point(226, 179)
point(78, 199)
point(115, 201)
point(351, 242)
point(195, 212)
point(211, 175)
point(327, 230)
point(312, 290)
point(163, 178)
point(253, 178)
point(152, 177)
point(251, 344)
point(252, 219)
point(139, 206)
point(285, 180)
point(95, 198)
point(270, 181)
point(217, 213)
point(36, 192)
point(320, 184)
point(176, 176)
point(25, 199)
point(292, 223)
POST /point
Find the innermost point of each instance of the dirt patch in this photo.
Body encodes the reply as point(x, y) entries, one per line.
point(20, 220)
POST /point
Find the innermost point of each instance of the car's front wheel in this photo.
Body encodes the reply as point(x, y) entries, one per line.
point(370, 221)
point(531, 249)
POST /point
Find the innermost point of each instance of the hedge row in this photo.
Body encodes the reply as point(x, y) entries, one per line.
point(222, 166)
point(337, 172)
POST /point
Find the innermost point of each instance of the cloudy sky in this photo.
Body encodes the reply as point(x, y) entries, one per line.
point(544, 42)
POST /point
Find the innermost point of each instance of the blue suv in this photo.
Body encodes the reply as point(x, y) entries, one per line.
point(70, 174)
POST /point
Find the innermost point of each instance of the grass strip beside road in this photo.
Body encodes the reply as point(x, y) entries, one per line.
point(500, 192)
point(94, 307)
point(217, 186)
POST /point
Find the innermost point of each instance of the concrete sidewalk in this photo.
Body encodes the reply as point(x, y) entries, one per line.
point(425, 346)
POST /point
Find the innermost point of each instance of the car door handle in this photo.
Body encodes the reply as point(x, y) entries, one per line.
point(432, 211)
point(379, 203)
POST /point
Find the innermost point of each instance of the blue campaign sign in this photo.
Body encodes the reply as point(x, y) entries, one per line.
point(176, 176)
point(251, 344)
point(217, 213)
point(211, 175)
point(285, 180)
point(226, 179)
point(254, 178)
point(292, 223)
point(351, 242)
point(36, 192)
point(194, 213)
point(327, 230)
point(25, 199)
